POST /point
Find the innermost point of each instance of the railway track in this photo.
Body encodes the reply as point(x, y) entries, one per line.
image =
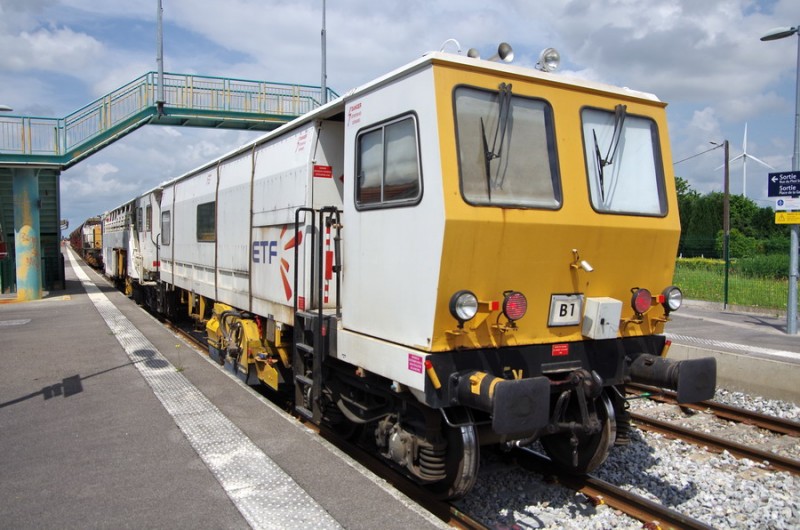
point(720, 410)
point(716, 443)
point(652, 514)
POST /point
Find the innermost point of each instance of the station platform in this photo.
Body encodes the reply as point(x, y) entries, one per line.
point(753, 351)
point(107, 419)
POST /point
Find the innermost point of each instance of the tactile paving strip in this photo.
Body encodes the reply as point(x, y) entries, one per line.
point(265, 495)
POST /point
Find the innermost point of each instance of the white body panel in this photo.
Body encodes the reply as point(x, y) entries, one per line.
point(167, 235)
point(233, 238)
point(116, 238)
point(143, 252)
point(404, 365)
point(385, 294)
point(193, 260)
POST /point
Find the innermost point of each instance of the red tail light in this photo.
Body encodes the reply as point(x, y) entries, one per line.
point(515, 305)
point(641, 300)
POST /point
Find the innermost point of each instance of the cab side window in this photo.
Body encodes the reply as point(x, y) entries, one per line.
point(388, 168)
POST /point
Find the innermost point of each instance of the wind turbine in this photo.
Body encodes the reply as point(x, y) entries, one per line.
point(744, 156)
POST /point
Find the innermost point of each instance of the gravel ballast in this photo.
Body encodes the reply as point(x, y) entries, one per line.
point(717, 489)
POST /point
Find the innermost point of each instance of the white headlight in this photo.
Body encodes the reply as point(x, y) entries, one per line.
point(549, 60)
point(673, 298)
point(463, 306)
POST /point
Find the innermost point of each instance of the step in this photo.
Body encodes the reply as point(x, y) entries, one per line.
point(307, 414)
point(305, 347)
point(303, 380)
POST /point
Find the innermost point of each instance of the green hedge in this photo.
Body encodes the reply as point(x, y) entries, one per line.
point(772, 266)
point(775, 266)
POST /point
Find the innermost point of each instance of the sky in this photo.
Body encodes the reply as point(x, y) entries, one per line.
point(704, 58)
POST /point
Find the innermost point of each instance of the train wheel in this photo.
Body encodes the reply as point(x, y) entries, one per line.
point(461, 462)
point(592, 449)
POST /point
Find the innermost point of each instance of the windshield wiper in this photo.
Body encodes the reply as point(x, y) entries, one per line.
point(619, 121)
point(599, 164)
point(504, 104)
point(620, 111)
point(487, 158)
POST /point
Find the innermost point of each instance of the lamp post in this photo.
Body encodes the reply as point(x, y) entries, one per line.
point(160, 57)
point(324, 74)
point(5, 108)
point(791, 309)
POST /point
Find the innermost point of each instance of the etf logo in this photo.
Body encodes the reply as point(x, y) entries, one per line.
point(264, 251)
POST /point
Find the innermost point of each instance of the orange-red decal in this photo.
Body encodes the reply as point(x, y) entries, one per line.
point(294, 243)
point(287, 287)
point(559, 350)
point(323, 172)
point(328, 264)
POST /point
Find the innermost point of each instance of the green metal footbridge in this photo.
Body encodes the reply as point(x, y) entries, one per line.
point(34, 151)
point(189, 100)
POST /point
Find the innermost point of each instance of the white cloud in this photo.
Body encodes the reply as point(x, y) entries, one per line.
point(55, 49)
point(97, 181)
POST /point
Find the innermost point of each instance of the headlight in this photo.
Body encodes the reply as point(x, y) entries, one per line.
point(549, 60)
point(515, 305)
point(673, 298)
point(463, 306)
point(641, 300)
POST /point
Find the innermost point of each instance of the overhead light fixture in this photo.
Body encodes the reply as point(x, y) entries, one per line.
point(779, 33)
point(549, 60)
point(504, 53)
point(5, 108)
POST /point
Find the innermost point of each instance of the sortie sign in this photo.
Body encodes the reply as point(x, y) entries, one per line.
point(783, 184)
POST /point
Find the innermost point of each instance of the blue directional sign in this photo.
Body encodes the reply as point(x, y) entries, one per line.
point(784, 184)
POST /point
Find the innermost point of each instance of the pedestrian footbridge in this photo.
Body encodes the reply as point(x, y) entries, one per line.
point(188, 100)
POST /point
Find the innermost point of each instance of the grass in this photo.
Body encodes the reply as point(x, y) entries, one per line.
point(745, 291)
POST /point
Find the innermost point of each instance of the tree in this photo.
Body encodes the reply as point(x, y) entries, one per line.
point(740, 245)
point(702, 222)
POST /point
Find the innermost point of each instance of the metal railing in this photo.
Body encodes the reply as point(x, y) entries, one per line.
point(134, 102)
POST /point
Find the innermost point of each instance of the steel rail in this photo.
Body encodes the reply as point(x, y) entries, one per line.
point(666, 428)
point(652, 514)
point(721, 410)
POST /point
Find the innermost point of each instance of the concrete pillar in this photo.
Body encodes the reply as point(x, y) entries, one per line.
point(27, 245)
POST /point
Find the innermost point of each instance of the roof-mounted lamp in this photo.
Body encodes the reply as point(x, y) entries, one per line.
point(504, 53)
point(549, 60)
